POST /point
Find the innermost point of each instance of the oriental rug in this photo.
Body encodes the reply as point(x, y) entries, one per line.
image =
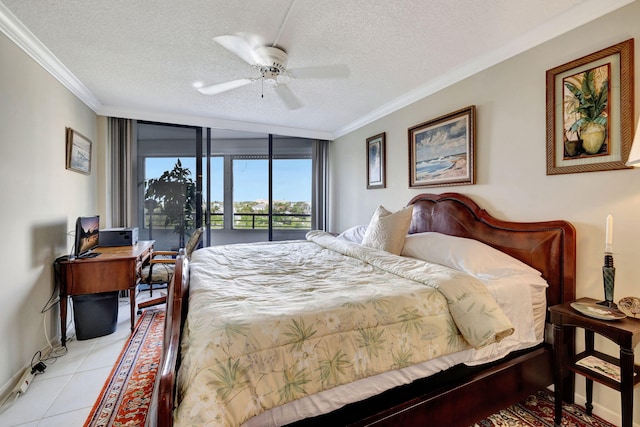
point(537, 410)
point(126, 395)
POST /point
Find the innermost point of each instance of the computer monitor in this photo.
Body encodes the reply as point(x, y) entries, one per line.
point(87, 236)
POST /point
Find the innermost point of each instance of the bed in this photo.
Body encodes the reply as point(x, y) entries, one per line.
point(456, 394)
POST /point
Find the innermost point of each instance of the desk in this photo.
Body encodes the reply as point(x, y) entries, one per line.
point(117, 268)
point(625, 333)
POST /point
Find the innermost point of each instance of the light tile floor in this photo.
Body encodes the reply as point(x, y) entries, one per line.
point(65, 393)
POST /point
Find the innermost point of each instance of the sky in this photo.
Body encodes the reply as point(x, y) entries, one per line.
point(291, 180)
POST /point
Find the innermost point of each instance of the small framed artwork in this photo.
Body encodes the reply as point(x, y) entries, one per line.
point(441, 151)
point(590, 111)
point(376, 147)
point(78, 152)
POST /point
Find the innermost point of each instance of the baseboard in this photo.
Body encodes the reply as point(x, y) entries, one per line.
point(8, 386)
point(599, 410)
point(603, 412)
point(44, 351)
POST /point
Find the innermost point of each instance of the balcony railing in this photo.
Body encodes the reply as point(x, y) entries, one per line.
point(261, 221)
point(247, 221)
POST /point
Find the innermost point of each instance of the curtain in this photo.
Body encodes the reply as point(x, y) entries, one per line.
point(120, 140)
point(320, 165)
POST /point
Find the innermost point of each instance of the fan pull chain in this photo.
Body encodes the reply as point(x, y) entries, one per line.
point(262, 87)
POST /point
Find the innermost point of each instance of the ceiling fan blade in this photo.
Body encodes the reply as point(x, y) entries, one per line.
point(326, 72)
point(223, 87)
point(290, 100)
point(241, 47)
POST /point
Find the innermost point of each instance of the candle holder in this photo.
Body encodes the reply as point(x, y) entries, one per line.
point(608, 278)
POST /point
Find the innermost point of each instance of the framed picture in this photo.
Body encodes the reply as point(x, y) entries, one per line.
point(376, 146)
point(441, 151)
point(78, 152)
point(590, 112)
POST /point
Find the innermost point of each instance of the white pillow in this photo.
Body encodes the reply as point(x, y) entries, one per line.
point(387, 230)
point(353, 234)
point(468, 255)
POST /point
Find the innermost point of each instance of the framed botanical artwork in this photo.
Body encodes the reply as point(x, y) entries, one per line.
point(441, 151)
point(590, 111)
point(78, 152)
point(376, 151)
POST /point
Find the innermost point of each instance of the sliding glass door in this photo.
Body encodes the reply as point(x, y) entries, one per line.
point(291, 178)
point(169, 183)
point(267, 187)
point(243, 187)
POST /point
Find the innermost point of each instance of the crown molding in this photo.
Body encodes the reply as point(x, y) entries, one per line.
point(212, 122)
point(15, 30)
point(563, 23)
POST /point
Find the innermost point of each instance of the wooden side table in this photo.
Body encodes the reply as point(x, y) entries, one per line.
point(623, 332)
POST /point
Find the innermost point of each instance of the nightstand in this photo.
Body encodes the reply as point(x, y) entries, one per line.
point(618, 373)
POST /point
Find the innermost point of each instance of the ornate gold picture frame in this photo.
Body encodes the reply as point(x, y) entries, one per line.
point(441, 151)
point(590, 111)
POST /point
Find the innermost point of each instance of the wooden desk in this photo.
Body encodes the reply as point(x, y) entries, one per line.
point(117, 268)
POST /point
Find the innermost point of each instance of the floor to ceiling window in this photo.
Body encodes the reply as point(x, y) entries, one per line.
point(291, 188)
point(249, 187)
point(168, 190)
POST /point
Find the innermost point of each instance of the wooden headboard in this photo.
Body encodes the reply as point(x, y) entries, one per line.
point(547, 246)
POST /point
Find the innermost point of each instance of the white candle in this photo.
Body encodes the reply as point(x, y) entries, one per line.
point(609, 234)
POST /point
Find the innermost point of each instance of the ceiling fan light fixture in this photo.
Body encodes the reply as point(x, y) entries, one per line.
point(273, 57)
point(270, 74)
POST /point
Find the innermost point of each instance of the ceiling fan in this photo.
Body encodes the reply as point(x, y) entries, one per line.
point(270, 62)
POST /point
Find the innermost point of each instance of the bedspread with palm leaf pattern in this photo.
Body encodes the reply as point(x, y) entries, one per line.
point(269, 323)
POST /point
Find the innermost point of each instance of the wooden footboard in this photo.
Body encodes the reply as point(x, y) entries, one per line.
point(459, 396)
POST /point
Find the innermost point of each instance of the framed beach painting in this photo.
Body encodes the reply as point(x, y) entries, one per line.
point(590, 111)
point(78, 152)
point(441, 151)
point(376, 161)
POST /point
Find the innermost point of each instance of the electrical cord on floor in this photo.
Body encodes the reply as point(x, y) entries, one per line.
point(52, 352)
point(22, 385)
point(39, 361)
point(56, 351)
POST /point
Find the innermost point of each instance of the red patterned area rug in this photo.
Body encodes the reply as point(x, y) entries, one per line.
point(126, 395)
point(537, 411)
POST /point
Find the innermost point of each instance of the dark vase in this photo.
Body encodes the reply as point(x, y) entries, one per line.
point(572, 148)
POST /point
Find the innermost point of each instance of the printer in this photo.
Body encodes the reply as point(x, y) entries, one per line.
point(118, 236)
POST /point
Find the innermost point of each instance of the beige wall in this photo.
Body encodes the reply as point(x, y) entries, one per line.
point(40, 200)
point(511, 164)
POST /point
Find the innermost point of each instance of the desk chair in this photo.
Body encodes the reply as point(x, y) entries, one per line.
point(161, 266)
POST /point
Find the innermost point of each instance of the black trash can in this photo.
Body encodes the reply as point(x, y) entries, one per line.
point(95, 315)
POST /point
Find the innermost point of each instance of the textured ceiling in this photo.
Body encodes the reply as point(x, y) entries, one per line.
point(140, 59)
